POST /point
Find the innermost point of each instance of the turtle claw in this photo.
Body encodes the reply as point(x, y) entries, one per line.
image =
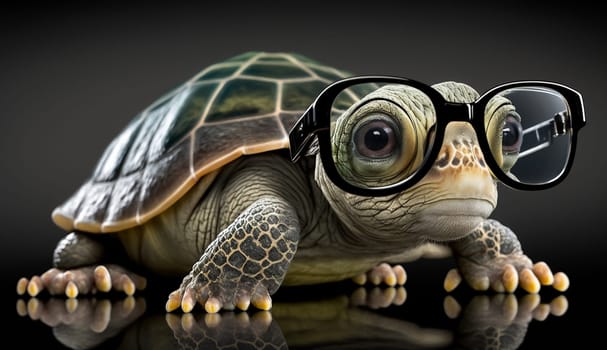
point(82, 281)
point(213, 305)
point(507, 279)
point(22, 285)
point(71, 290)
point(223, 298)
point(383, 273)
point(452, 280)
point(103, 281)
point(527, 280)
point(174, 301)
point(543, 273)
point(561, 282)
point(243, 301)
point(35, 286)
point(262, 301)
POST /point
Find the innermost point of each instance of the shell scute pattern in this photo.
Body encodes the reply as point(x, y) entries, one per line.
point(243, 97)
point(186, 114)
point(116, 153)
point(243, 105)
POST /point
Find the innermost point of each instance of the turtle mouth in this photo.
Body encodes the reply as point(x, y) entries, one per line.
point(461, 207)
point(451, 219)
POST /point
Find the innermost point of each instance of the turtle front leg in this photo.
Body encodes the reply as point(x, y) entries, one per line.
point(491, 257)
point(78, 270)
point(245, 264)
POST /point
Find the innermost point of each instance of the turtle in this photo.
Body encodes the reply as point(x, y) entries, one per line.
point(200, 186)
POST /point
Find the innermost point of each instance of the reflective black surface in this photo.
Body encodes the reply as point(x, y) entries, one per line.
point(333, 316)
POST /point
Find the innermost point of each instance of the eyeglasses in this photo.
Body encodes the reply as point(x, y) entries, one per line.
point(379, 135)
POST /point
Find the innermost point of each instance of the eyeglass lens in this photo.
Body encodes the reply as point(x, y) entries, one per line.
point(381, 133)
point(536, 133)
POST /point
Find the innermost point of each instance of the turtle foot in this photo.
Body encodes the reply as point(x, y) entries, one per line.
point(383, 273)
point(378, 298)
point(491, 257)
point(507, 277)
point(82, 281)
point(217, 296)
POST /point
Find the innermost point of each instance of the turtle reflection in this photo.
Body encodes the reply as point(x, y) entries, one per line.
point(497, 321)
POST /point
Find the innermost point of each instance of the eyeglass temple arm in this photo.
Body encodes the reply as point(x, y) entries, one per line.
point(541, 135)
point(301, 134)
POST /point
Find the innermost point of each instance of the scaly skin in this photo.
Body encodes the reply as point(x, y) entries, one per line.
point(245, 264)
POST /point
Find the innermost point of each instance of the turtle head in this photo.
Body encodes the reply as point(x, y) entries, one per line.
point(382, 139)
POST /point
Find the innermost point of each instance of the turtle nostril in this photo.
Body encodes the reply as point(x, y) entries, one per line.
point(443, 159)
point(480, 159)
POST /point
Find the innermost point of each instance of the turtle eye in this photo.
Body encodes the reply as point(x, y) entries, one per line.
point(378, 133)
point(375, 139)
point(512, 134)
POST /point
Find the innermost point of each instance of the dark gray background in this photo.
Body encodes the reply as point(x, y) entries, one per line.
point(71, 77)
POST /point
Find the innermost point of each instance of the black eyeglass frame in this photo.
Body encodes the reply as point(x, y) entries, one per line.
point(316, 120)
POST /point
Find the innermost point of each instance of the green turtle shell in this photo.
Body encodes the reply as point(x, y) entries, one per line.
point(244, 105)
